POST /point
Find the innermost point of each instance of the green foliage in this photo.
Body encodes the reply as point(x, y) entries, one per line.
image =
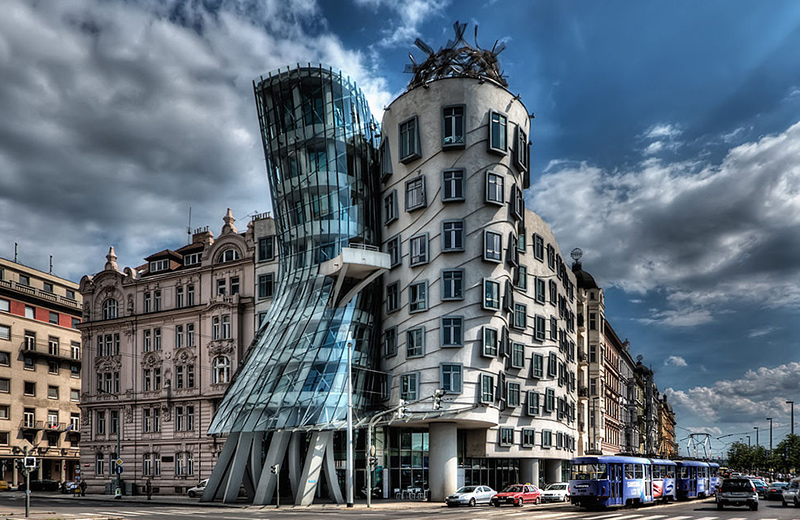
point(785, 457)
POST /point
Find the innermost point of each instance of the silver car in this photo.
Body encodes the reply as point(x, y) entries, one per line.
point(556, 492)
point(470, 496)
point(789, 495)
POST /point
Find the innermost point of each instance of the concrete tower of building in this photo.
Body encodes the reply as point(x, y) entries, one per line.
point(478, 301)
point(40, 373)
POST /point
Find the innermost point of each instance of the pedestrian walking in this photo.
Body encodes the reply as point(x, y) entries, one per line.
point(148, 489)
point(83, 488)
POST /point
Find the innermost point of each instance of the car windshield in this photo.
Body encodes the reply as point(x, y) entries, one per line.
point(466, 489)
point(737, 485)
point(556, 487)
point(513, 489)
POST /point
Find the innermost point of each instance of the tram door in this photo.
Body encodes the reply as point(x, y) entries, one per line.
point(616, 483)
point(648, 482)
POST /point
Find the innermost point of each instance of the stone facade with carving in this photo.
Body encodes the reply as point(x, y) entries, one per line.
point(163, 340)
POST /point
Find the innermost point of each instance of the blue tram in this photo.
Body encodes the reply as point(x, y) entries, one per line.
point(664, 488)
point(713, 478)
point(600, 481)
point(693, 479)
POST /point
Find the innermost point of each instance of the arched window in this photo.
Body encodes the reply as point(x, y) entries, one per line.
point(221, 370)
point(110, 309)
point(229, 255)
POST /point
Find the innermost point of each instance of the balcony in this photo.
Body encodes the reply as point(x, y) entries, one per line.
point(31, 425)
point(57, 354)
point(359, 264)
point(39, 293)
point(583, 391)
point(55, 426)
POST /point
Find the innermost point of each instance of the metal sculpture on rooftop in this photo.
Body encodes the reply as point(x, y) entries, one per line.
point(457, 59)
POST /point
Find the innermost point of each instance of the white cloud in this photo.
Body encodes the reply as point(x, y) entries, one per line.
point(662, 131)
point(732, 404)
point(118, 116)
point(703, 235)
point(675, 361)
point(406, 17)
point(757, 333)
point(663, 136)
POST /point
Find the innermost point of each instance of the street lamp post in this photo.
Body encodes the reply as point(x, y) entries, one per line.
point(756, 429)
point(349, 472)
point(792, 403)
point(770, 435)
point(119, 437)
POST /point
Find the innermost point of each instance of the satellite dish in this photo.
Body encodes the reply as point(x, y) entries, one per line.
point(576, 254)
point(639, 357)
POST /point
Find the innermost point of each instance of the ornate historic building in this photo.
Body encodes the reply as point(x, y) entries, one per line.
point(162, 342)
point(40, 373)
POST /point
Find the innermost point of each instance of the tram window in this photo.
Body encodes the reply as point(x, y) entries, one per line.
point(628, 470)
point(639, 469)
point(670, 471)
point(656, 471)
point(588, 471)
point(684, 472)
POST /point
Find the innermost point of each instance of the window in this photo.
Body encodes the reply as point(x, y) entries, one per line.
point(5, 412)
point(100, 422)
point(265, 285)
point(453, 186)
point(552, 365)
point(52, 346)
point(226, 326)
point(30, 388)
point(553, 287)
point(215, 327)
point(110, 309)
point(517, 203)
point(146, 342)
point(450, 378)
point(491, 295)
point(114, 423)
point(392, 297)
point(517, 355)
point(74, 371)
point(48, 287)
point(495, 191)
point(5, 332)
point(178, 336)
point(538, 247)
point(148, 302)
point(550, 400)
point(30, 312)
point(506, 436)
point(53, 318)
point(453, 284)
point(553, 328)
point(418, 297)
point(74, 394)
point(415, 342)
point(409, 141)
point(190, 295)
point(415, 194)
point(179, 297)
point(533, 403)
point(394, 250)
point(5, 359)
point(520, 316)
point(234, 283)
point(24, 279)
point(159, 265)
point(221, 370)
point(192, 259)
point(52, 392)
point(453, 235)
point(521, 278)
point(490, 342)
point(5, 305)
point(537, 366)
point(452, 331)
point(266, 248)
point(390, 207)
point(28, 363)
point(221, 287)
point(487, 388)
point(521, 150)
point(498, 132)
point(99, 464)
point(539, 290)
point(75, 422)
point(5, 385)
point(513, 394)
point(229, 255)
point(419, 249)
point(592, 321)
point(528, 437)
point(29, 417)
point(547, 438)
point(390, 342)
point(409, 387)
point(386, 160)
point(492, 246)
point(453, 133)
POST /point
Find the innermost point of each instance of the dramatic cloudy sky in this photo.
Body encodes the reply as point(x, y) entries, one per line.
point(666, 146)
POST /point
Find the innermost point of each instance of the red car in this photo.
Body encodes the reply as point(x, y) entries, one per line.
point(517, 494)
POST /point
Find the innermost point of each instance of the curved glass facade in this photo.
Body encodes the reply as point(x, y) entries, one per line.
point(319, 141)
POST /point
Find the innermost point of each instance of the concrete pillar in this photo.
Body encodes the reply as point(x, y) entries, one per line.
point(529, 471)
point(443, 456)
point(552, 470)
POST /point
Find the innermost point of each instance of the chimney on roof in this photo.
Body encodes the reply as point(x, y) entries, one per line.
point(203, 236)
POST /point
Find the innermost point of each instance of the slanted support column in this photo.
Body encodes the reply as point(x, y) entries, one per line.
point(238, 467)
point(443, 467)
point(529, 471)
point(267, 480)
point(219, 475)
point(320, 452)
point(295, 467)
point(552, 470)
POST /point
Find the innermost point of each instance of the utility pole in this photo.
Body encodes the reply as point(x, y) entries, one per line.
point(349, 470)
point(770, 435)
point(792, 403)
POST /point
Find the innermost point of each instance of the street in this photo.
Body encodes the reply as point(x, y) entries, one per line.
point(54, 506)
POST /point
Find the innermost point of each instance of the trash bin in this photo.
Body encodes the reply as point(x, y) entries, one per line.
point(109, 488)
point(129, 488)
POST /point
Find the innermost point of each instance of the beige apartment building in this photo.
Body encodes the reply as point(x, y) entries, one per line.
point(40, 373)
point(163, 340)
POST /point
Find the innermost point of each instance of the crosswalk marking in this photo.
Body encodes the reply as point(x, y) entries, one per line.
point(603, 517)
point(714, 518)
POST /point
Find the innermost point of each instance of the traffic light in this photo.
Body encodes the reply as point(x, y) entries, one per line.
point(275, 468)
point(20, 464)
point(437, 398)
point(373, 461)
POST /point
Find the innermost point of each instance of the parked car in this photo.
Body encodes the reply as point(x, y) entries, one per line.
point(4, 485)
point(775, 491)
point(556, 492)
point(737, 492)
point(518, 495)
point(761, 487)
point(789, 493)
point(41, 485)
point(471, 495)
point(198, 489)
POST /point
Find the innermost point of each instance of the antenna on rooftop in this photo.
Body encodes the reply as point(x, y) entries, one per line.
point(16, 251)
point(51, 264)
point(189, 227)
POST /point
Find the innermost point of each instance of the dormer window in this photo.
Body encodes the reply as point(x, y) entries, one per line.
point(159, 265)
point(229, 255)
point(192, 259)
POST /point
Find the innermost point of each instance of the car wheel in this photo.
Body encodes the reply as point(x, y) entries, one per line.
point(719, 506)
point(784, 503)
point(471, 502)
point(538, 500)
point(192, 494)
point(754, 507)
point(519, 503)
point(497, 504)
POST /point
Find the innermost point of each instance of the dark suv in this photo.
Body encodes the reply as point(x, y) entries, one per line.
point(737, 492)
